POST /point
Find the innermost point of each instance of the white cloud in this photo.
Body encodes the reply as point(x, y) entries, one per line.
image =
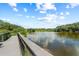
point(61, 13)
point(53, 17)
point(61, 17)
point(64, 13)
point(32, 16)
point(25, 9)
point(74, 5)
point(67, 13)
point(43, 7)
point(13, 5)
point(49, 18)
point(27, 16)
point(39, 18)
point(67, 6)
point(19, 15)
point(15, 9)
point(49, 6)
point(38, 5)
point(5, 19)
point(42, 11)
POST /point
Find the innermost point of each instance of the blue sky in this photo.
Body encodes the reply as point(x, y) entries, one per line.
point(39, 15)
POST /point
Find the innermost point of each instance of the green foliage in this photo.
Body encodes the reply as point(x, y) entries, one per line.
point(30, 30)
point(13, 29)
point(68, 28)
point(4, 36)
point(40, 30)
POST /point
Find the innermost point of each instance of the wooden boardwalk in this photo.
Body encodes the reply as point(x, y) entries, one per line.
point(11, 47)
point(36, 50)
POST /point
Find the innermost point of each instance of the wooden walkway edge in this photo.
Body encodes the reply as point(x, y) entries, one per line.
point(34, 48)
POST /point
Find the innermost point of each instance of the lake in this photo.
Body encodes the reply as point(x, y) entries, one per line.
point(57, 43)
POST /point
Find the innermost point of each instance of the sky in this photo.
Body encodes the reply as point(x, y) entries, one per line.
point(39, 15)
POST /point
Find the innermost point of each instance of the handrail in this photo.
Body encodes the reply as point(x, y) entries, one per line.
point(23, 46)
point(4, 36)
point(33, 48)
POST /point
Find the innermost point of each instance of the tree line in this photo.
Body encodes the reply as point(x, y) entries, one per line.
point(12, 28)
point(68, 28)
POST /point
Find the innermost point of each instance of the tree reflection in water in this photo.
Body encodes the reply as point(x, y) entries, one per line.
point(59, 44)
point(58, 48)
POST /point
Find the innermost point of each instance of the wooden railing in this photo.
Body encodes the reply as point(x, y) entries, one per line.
point(4, 36)
point(30, 48)
point(24, 47)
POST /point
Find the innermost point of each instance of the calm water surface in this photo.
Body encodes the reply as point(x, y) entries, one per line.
point(57, 43)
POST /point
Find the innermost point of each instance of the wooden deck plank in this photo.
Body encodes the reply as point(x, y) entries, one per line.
point(11, 47)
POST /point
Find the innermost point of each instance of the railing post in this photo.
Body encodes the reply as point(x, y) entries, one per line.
point(2, 38)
